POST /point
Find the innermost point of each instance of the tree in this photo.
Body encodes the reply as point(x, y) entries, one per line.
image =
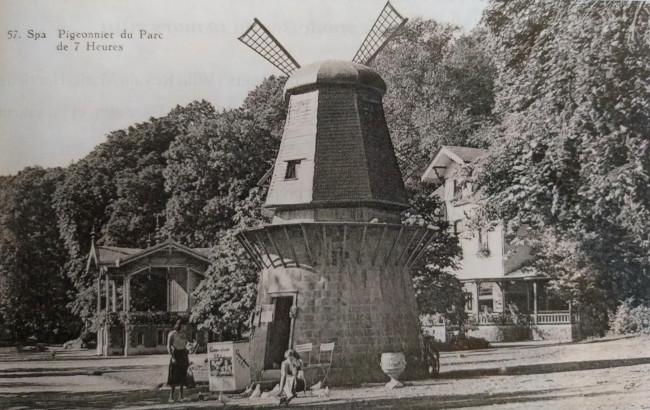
point(440, 92)
point(226, 297)
point(570, 155)
point(437, 290)
point(212, 167)
point(34, 290)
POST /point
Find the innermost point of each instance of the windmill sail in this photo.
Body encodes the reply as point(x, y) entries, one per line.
point(385, 27)
point(260, 39)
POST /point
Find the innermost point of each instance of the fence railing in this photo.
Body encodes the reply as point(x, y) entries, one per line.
point(544, 318)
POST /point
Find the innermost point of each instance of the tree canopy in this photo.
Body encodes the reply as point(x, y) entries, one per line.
point(440, 91)
point(569, 156)
point(32, 259)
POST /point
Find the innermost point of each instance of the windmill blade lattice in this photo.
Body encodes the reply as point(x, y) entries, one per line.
point(385, 27)
point(260, 39)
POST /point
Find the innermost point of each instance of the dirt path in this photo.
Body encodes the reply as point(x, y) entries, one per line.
point(604, 374)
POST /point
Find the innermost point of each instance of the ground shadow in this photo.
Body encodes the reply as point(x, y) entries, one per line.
point(451, 401)
point(95, 400)
point(157, 398)
point(15, 373)
point(544, 368)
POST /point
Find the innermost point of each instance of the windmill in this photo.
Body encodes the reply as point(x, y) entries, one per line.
point(335, 259)
point(260, 39)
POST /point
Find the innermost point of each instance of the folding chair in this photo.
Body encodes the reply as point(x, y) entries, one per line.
point(305, 350)
point(326, 350)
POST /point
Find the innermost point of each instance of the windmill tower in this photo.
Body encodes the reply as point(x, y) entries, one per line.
point(334, 261)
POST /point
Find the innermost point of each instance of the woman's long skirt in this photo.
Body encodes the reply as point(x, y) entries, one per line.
point(178, 368)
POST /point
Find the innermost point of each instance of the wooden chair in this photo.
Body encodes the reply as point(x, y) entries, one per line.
point(325, 353)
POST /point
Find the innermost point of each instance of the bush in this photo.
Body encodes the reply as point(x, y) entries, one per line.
point(88, 339)
point(462, 342)
point(457, 342)
point(630, 319)
point(136, 318)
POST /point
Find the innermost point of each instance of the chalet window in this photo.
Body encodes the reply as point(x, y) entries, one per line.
point(485, 289)
point(456, 189)
point(483, 239)
point(292, 169)
point(458, 227)
point(483, 247)
point(162, 337)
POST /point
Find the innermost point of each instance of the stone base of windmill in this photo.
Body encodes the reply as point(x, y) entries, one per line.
point(393, 365)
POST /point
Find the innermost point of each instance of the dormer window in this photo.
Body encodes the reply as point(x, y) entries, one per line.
point(292, 169)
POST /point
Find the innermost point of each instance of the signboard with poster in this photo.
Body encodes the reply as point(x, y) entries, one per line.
point(229, 366)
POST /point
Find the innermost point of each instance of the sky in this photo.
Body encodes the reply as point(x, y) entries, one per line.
point(57, 104)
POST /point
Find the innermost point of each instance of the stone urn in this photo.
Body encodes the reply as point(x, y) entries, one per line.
point(393, 364)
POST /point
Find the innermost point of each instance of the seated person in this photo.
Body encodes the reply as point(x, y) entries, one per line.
point(291, 376)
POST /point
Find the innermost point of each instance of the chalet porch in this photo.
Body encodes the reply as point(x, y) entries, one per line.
point(142, 292)
point(561, 326)
point(511, 309)
point(518, 307)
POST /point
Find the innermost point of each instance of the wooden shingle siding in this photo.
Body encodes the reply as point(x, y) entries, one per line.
point(298, 142)
point(384, 176)
point(341, 172)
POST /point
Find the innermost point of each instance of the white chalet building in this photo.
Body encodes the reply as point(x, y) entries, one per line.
point(491, 271)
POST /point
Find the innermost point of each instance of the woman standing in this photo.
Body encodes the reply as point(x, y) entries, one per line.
point(179, 362)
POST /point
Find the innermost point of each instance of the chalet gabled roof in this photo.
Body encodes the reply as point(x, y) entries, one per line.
point(170, 244)
point(467, 154)
point(109, 254)
point(447, 155)
point(118, 256)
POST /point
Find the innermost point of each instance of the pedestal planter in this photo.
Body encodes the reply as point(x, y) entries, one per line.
point(393, 364)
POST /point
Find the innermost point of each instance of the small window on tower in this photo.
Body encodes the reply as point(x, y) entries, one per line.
point(292, 169)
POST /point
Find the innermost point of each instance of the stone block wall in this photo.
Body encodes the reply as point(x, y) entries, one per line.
point(366, 311)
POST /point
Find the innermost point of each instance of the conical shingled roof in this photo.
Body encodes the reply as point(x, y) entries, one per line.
point(337, 131)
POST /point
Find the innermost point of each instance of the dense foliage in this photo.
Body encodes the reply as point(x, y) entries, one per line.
point(630, 317)
point(34, 290)
point(570, 155)
point(437, 291)
point(440, 92)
